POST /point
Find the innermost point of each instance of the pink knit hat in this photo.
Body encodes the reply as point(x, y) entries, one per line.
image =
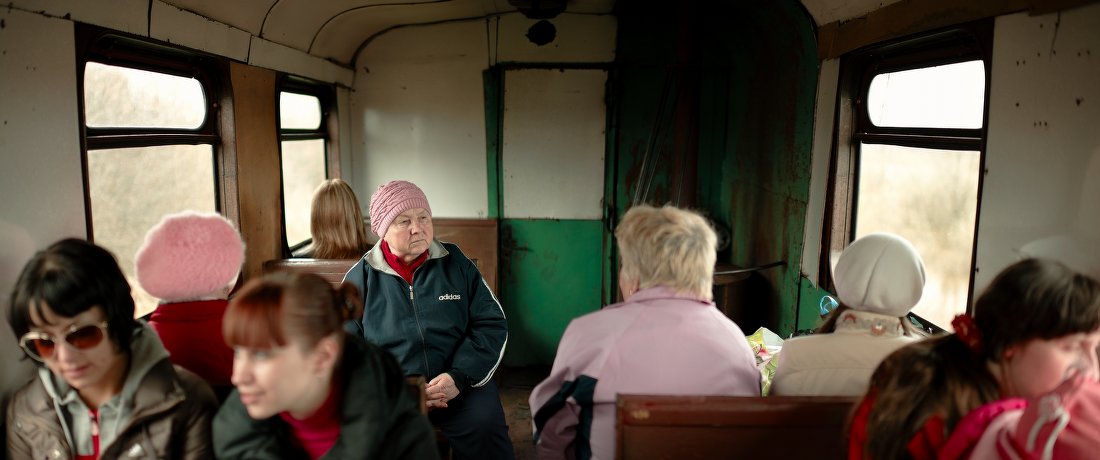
point(392, 199)
point(189, 256)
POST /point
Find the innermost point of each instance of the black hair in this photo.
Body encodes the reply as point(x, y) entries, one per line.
point(943, 377)
point(70, 277)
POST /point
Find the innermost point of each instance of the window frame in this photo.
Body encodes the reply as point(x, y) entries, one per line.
point(110, 47)
point(117, 49)
point(853, 126)
point(326, 130)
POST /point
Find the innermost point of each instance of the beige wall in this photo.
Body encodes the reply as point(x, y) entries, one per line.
point(1043, 150)
point(418, 109)
point(1043, 156)
point(41, 180)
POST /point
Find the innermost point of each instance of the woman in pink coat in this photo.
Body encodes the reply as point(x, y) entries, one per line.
point(666, 329)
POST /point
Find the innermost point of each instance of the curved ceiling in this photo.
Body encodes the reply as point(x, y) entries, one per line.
point(337, 29)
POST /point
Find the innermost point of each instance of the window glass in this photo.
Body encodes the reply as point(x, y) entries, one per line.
point(945, 96)
point(303, 171)
point(930, 198)
point(122, 97)
point(299, 111)
point(131, 189)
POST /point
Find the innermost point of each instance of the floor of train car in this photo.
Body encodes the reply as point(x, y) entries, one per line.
point(515, 385)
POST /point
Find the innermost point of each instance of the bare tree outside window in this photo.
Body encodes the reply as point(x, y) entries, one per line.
point(927, 195)
point(303, 161)
point(130, 189)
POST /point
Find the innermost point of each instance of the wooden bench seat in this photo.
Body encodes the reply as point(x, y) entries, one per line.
point(709, 427)
point(476, 237)
point(332, 270)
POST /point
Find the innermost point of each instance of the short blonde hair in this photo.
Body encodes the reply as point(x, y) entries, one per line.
point(670, 247)
point(336, 222)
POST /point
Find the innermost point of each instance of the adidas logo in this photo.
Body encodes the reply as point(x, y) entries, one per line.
point(450, 297)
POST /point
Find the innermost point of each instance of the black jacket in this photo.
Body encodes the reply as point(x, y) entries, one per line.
point(448, 320)
point(381, 420)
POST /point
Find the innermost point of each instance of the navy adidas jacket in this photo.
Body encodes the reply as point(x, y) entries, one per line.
point(448, 320)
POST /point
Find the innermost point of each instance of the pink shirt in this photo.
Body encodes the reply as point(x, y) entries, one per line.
point(658, 342)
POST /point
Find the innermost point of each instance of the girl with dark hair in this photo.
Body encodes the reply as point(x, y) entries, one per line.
point(1037, 324)
point(307, 389)
point(105, 386)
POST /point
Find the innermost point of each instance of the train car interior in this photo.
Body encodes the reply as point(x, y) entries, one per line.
point(794, 126)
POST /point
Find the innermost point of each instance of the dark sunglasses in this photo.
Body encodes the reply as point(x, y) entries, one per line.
point(41, 346)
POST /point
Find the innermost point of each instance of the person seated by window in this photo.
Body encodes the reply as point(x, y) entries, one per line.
point(879, 278)
point(666, 338)
point(190, 261)
point(1037, 324)
point(335, 223)
point(307, 389)
point(428, 304)
point(105, 386)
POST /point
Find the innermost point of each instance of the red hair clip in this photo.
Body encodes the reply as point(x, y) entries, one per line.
point(968, 333)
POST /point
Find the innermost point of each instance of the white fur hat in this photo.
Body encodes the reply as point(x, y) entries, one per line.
point(880, 273)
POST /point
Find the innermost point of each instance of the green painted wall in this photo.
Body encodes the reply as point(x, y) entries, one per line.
point(491, 81)
point(749, 70)
point(734, 143)
point(809, 301)
point(550, 275)
point(769, 136)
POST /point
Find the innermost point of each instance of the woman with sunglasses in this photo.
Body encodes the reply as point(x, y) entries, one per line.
point(105, 386)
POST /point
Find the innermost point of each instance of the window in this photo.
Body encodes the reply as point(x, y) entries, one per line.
point(303, 135)
point(150, 136)
point(910, 162)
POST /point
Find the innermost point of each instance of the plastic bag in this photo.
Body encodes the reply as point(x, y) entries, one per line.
point(765, 345)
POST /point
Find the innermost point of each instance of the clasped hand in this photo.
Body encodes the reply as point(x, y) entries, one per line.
point(440, 390)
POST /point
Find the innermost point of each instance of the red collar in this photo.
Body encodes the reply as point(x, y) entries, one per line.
point(317, 433)
point(399, 266)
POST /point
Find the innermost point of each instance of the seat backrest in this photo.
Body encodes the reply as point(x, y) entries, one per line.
point(476, 237)
point(332, 270)
point(478, 240)
point(707, 427)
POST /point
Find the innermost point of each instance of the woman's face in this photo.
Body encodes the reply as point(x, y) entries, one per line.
point(1037, 366)
point(97, 370)
point(276, 379)
point(410, 234)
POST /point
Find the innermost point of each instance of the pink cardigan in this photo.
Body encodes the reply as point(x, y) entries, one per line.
point(657, 342)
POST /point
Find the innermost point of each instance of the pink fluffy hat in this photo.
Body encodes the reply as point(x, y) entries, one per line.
point(189, 256)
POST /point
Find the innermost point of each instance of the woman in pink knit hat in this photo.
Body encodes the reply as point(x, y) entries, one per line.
point(190, 262)
point(426, 302)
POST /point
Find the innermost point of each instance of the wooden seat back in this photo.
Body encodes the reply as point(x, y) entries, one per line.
point(708, 427)
point(477, 238)
point(332, 270)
